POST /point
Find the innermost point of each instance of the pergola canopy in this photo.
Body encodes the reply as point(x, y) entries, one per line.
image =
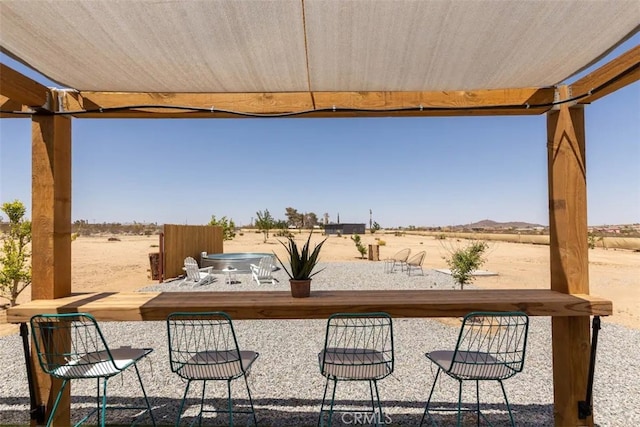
point(284, 56)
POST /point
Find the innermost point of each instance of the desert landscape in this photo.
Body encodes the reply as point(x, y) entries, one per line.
point(100, 264)
point(287, 388)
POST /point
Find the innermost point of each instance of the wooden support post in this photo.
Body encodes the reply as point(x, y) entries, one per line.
point(569, 256)
point(51, 230)
point(374, 252)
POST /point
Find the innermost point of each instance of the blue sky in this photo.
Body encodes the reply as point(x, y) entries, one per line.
point(408, 171)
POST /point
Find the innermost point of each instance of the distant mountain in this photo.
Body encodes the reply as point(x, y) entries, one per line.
point(489, 224)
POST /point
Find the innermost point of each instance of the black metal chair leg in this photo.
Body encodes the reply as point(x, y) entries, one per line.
point(426, 409)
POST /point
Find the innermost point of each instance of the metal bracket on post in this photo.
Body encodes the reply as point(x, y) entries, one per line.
point(60, 102)
point(558, 100)
point(36, 411)
point(585, 407)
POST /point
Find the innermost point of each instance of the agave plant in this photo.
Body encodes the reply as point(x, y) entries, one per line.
point(303, 262)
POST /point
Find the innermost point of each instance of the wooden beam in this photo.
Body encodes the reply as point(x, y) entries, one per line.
point(529, 101)
point(156, 306)
point(255, 103)
point(567, 199)
point(21, 89)
point(8, 104)
point(51, 206)
point(165, 114)
point(569, 261)
point(616, 74)
point(477, 99)
point(51, 229)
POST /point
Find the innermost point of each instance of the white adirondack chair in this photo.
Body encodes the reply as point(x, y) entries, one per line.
point(263, 272)
point(196, 275)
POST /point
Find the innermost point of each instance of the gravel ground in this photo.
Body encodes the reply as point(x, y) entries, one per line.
point(286, 384)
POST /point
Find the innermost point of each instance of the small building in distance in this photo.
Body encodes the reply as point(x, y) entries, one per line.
point(344, 228)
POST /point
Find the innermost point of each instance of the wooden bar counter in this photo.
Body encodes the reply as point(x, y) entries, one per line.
point(150, 306)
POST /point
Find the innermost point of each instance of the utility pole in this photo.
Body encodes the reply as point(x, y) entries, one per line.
point(370, 219)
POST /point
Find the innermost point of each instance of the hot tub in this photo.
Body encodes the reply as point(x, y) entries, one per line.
point(239, 260)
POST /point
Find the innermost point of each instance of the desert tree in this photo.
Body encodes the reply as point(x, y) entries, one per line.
point(310, 219)
point(265, 223)
point(464, 261)
point(294, 218)
point(359, 246)
point(15, 263)
point(375, 227)
point(228, 226)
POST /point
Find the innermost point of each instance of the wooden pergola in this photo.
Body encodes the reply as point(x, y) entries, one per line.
point(52, 112)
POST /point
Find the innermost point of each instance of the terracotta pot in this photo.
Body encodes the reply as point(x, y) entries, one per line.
point(300, 288)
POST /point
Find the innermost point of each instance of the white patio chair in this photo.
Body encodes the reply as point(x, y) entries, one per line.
point(263, 272)
point(196, 275)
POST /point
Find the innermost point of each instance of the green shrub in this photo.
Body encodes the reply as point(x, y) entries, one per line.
point(282, 229)
point(265, 222)
point(375, 227)
point(228, 227)
point(15, 265)
point(359, 246)
point(593, 238)
point(283, 232)
point(381, 242)
point(464, 261)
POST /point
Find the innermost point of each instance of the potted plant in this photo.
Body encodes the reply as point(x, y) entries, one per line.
point(301, 265)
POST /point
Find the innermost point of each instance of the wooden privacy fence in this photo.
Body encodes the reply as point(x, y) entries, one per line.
point(181, 241)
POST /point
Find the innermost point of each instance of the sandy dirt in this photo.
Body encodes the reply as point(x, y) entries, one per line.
point(102, 265)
